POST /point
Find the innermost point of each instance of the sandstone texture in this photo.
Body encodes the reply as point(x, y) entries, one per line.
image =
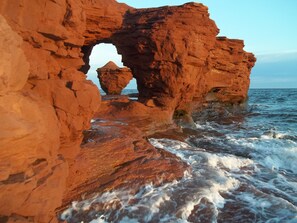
point(176, 57)
point(46, 103)
point(228, 68)
point(137, 161)
point(114, 79)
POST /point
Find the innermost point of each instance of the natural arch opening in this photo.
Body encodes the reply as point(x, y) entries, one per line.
point(113, 74)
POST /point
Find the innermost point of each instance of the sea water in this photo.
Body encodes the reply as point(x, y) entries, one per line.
point(243, 169)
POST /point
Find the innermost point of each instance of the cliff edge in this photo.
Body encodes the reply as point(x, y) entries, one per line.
point(46, 102)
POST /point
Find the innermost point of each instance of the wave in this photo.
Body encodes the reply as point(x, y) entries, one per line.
point(243, 168)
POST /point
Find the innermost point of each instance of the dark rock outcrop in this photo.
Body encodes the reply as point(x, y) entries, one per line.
point(113, 79)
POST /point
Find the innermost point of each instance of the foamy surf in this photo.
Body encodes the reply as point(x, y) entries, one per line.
point(243, 169)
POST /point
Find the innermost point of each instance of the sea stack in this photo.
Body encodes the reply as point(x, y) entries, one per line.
point(46, 102)
point(113, 79)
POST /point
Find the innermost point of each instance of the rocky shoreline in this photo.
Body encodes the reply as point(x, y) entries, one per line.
point(46, 103)
point(115, 153)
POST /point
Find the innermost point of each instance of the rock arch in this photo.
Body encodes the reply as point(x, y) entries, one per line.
point(176, 58)
point(173, 52)
point(167, 51)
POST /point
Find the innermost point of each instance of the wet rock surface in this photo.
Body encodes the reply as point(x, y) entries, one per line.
point(117, 155)
point(46, 102)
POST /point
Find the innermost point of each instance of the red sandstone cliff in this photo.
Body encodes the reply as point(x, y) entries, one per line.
point(226, 78)
point(46, 101)
point(175, 55)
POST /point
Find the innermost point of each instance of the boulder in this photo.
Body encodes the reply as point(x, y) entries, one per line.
point(114, 79)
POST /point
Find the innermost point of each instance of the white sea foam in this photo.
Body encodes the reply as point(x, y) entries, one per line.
point(214, 192)
point(149, 200)
point(264, 184)
point(218, 180)
point(101, 219)
point(271, 151)
point(227, 172)
point(169, 144)
point(173, 146)
point(108, 199)
point(274, 208)
point(205, 125)
point(228, 161)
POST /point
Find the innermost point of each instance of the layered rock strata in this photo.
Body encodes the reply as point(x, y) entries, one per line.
point(113, 79)
point(228, 69)
point(116, 155)
point(46, 102)
point(176, 57)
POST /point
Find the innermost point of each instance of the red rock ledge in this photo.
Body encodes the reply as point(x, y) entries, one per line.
point(46, 103)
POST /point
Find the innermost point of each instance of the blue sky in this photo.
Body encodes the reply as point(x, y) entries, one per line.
point(268, 27)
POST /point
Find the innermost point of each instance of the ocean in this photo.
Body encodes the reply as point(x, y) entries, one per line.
point(243, 169)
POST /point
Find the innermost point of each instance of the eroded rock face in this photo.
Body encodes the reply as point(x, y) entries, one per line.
point(45, 104)
point(29, 140)
point(14, 68)
point(174, 55)
point(227, 76)
point(46, 101)
point(110, 14)
point(114, 79)
point(167, 50)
